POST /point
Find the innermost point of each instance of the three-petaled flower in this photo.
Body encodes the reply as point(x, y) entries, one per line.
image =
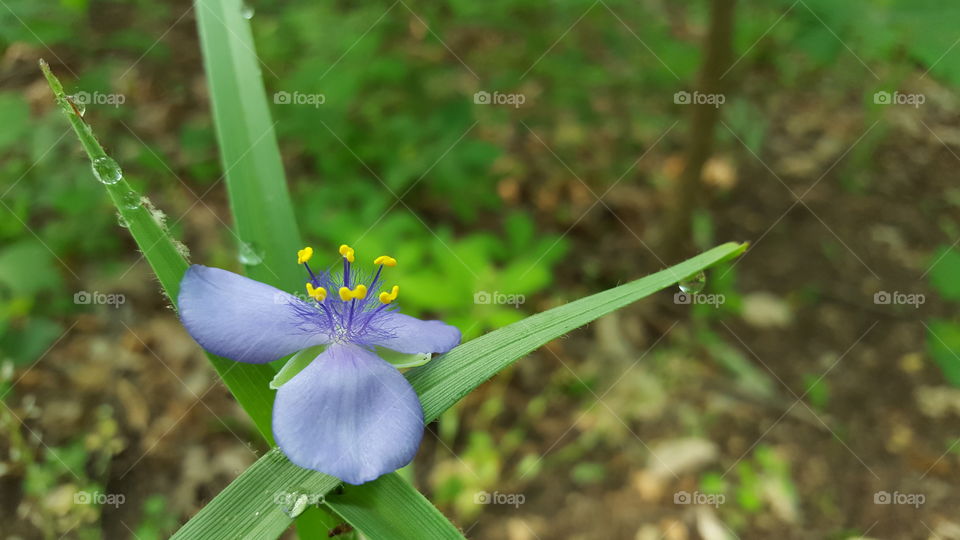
point(348, 413)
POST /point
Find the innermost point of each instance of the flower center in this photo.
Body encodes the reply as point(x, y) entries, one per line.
point(348, 315)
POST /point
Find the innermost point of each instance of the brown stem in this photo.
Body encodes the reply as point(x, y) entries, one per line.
point(686, 196)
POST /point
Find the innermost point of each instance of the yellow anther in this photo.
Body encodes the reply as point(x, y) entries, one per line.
point(386, 298)
point(317, 294)
point(385, 260)
point(347, 252)
point(304, 255)
point(358, 293)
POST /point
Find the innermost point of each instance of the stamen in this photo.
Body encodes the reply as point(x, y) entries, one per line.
point(358, 293)
point(347, 253)
point(383, 260)
point(317, 293)
point(304, 255)
point(386, 298)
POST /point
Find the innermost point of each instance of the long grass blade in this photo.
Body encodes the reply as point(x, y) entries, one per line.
point(256, 185)
point(248, 383)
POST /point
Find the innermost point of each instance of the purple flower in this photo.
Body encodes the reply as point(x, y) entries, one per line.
point(348, 413)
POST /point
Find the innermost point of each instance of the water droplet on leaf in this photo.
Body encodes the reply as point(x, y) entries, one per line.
point(107, 170)
point(247, 11)
point(122, 221)
point(299, 505)
point(693, 284)
point(249, 254)
point(78, 104)
point(131, 200)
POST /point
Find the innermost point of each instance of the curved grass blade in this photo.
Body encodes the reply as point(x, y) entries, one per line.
point(247, 382)
point(259, 199)
point(439, 384)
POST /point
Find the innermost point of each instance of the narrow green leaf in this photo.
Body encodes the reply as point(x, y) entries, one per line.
point(402, 511)
point(246, 509)
point(259, 199)
point(442, 382)
point(248, 382)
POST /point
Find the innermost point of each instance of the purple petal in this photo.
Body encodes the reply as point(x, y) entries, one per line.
point(242, 319)
point(406, 334)
point(348, 414)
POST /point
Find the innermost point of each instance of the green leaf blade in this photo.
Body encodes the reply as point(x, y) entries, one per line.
point(246, 382)
point(259, 198)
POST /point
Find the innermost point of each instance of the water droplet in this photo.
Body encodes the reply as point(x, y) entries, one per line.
point(122, 221)
point(131, 200)
point(106, 170)
point(247, 11)
point(298, 507)
point(693, 284)
point(79, 104)
point(249, 254)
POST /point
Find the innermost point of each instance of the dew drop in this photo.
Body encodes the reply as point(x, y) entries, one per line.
point(79, 104)
point(131, 200)
point(693, 284)
point(106, 170)
point(298, 506)
point(247, 11)
point(249, 254)
point(122, 221)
